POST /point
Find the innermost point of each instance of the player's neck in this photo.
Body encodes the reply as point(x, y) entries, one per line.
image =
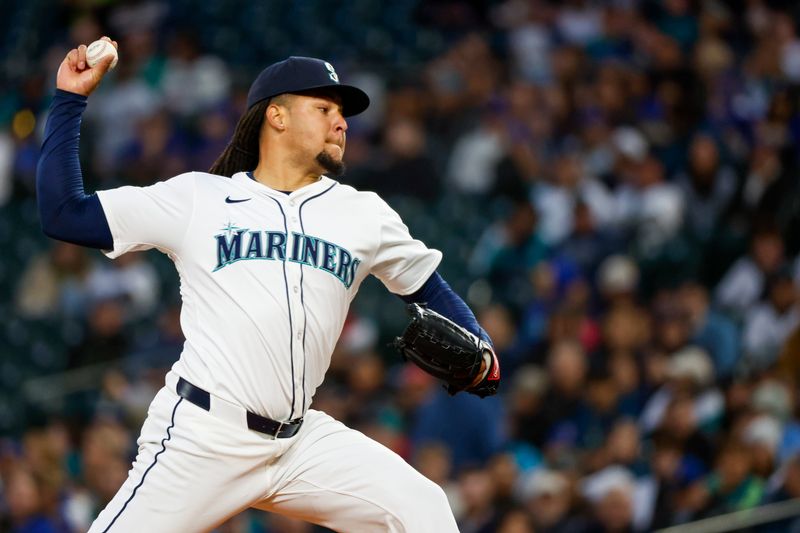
point(283, 178)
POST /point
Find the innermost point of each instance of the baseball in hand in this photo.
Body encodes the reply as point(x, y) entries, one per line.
point(98, 50)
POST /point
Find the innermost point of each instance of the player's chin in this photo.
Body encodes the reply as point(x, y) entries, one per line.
point(331, 166)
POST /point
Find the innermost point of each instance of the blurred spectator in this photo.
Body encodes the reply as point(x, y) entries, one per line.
point(788, 365)
point(730, 487)
point(547, 495)
point(105, 340)
point(498, 322)
point(650, 208)
point(568, 369)
point(526, 405)
point(533, 325)
point(768, 325)
point(617, 280)
point(765, 186)
point(515, 521)
point(599, 410)
point(707, 186)
point(630, 149)
point(471, 427)
point(157, 151)
point(579, 21)
point(160, 351)
point(762, 437)
point(504, 470)
point(712, 331)
point(671, 468)
point(192, 82)
point(475, 156)
point(555, 200)
point(530, 38)
point(507, 251)
point(672, 324)
point(679, 21)
point(55, 282)
point(622, 446)
point(117, 107)
point(128, 278)
point(743, 284)
point(213, 132)
point(610, 493)
point(775, 399)
point(403, 168)
point(689, 386)
point(787, 488)
point(105, 458)
point(26, 509)
point(477, 493)
point(589, 241)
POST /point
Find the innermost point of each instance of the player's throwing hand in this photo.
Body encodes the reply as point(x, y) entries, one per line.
point(76, 76)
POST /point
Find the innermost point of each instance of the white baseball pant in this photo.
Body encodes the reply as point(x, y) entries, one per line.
point(195, 469)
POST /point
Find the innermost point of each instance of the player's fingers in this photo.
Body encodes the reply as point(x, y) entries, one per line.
point(82, 57)
point(104, 64)
point(108, 39)
point(72, 59)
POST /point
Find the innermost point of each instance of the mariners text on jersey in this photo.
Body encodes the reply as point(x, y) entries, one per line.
point(237, 244)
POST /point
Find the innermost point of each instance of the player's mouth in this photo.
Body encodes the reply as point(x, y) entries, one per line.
point(338, 143)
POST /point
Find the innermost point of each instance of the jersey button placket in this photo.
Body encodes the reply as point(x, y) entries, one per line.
point(298, 318)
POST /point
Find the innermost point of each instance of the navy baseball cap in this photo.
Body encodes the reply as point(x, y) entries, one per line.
point(298, 74)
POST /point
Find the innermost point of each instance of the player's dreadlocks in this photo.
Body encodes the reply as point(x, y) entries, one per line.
point(241, 154)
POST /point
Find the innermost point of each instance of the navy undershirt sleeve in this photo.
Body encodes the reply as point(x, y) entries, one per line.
point(67, 213)
point(439, 297)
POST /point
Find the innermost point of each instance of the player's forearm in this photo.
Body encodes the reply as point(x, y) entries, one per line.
point(438, 296)
point(66, 212)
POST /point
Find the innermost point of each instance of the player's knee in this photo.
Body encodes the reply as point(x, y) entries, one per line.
point(431, 510)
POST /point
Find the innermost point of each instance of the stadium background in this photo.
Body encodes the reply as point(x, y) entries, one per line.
point(613, 185)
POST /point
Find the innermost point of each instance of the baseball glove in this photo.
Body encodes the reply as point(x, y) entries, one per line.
point(447, 351)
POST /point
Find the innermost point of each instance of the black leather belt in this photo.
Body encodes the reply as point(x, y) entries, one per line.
point(202, 399)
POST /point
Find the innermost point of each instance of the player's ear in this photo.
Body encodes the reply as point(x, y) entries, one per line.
point(276, 116)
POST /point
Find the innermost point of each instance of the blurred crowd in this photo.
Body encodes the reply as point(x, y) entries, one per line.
point(614, 187)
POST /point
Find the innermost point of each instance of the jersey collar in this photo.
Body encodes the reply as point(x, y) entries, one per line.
point(243, 178)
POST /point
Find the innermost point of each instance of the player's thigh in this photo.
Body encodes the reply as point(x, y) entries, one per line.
point(339, 478)
point(182, 479)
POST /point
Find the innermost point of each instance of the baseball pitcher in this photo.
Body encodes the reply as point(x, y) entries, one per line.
point(270, 250)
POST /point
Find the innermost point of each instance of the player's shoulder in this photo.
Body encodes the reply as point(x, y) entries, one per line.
point(210, 178)
point(357, 195)
point(205, 181)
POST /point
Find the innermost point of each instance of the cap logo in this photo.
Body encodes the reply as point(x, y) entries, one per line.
point(331, 73)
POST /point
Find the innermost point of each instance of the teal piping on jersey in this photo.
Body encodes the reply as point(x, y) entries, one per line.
point(305, 320)
point(155, 460)
point(289, 307)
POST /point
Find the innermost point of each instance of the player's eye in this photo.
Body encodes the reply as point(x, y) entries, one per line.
point(324, 109)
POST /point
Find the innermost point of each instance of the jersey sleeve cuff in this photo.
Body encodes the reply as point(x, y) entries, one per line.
point(108, 209)
point(436, 258)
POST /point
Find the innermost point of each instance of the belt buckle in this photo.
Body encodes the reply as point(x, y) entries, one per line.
point(277, 431)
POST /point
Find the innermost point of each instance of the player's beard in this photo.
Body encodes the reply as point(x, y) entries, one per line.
point(333, 168)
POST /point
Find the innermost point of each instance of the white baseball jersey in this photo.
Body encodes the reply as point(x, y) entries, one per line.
point(266, 278)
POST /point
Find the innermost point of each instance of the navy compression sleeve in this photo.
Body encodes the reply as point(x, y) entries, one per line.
point(66, 212)
point(439, 297)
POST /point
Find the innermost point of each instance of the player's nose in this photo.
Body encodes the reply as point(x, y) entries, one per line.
point(339, 123)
